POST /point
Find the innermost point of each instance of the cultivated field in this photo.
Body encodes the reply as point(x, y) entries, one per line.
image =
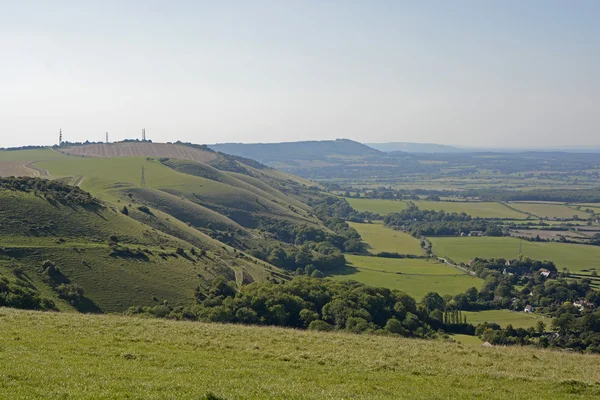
point(380, 238)
point(578, 258)
point(506, 317)
point(378, 206)
point(472, 208)
point(545, 210)
point(12, 168)
point(416, 277)
point(141, 149)
point(74, 356)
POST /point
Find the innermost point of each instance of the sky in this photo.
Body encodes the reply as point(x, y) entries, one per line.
point(469, 73)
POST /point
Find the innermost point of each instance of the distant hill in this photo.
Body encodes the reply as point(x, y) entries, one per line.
point(415, 147)
point(278, 153)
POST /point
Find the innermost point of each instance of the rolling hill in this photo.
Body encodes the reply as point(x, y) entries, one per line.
point(198, 215)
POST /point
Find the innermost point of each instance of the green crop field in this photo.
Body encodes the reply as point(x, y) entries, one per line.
point(578, 258)
point(472, 208)
point(380, 238)
point(545, 210)
point(506, 317)
point(378, 206)
point(416, 277)
point(74, 356)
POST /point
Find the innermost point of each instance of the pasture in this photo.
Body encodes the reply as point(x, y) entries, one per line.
point(481, 209)
point(578, 258)
point(379, 206)
point(381, 238)
point(506, 317)
point(75, 356)
point(417, 277)
point(547, 210)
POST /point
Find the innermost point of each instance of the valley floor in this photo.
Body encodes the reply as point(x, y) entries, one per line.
point(68, 355)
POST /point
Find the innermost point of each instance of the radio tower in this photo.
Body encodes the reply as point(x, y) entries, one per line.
point(106, 137)
point(60, 137)
point(143, 181)
point(143, 135)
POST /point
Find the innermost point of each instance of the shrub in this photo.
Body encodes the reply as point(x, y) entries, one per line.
point(320, 325)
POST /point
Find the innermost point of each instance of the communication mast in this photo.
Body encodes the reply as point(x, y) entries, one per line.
point(143, 181)
point(143, 135)
point(106, 137)
point(60, 137)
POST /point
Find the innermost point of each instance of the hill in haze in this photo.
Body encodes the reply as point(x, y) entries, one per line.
point(408, 147)
point(277, 154)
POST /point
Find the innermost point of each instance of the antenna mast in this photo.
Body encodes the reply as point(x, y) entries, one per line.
point(143, 181)
point(60, 137)
point(106, 137)
point(143, 135)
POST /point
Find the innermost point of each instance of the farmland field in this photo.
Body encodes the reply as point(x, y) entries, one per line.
point(132, 149)
point(378, 206)
point(506, 317)
point(16, 168)
point(416, 277)
point(473, 208)
point(74, 356)
point(544, 210)
point(381, 238)
point(576, 257)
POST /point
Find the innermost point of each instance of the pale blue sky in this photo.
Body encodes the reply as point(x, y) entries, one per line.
point(470, 73)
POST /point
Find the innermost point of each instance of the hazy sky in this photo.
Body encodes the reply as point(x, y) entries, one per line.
point(470, 73)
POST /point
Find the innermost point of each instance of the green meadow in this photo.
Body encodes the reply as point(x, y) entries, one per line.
point(506, 317)
point(473, 208)
point(546, 210)
point(417, 277)
point(75, 356)
point(578, 258)
point(381, 238)
point(378, 206)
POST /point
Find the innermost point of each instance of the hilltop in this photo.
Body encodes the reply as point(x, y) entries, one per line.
point(118, 356)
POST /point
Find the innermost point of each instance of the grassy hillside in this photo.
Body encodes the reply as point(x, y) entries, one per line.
point(118, 357)
point(141, 265)
point(203, 202)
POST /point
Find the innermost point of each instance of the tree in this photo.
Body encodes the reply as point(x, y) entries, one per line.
point(433, 301)
point(540, 327)
point(394, 326)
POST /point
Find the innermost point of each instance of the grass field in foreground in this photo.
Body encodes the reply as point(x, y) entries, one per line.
point(378, 206)
point(578, 258)
point(506, 317)
point(416, 277)
point(549, 210)
point(473, 208)
point(66, 355)
point(382, 238)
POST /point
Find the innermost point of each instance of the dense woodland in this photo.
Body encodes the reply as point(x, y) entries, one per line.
point(439, 223)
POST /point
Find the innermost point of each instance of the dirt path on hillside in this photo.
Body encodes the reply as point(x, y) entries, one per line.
point(35, 171)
